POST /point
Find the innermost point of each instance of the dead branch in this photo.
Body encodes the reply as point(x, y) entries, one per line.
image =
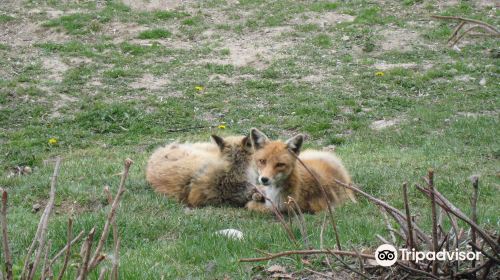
point(271, 256)
point(300, 218)
point(468, 20)
point(109, 197)
point(388, 225)
point(46, 264)
point(449, 207)
point(68, 249)
point(111, 215)
point(348, 266)
point(102, 274)
point(411, 243)
point(393, 211)
point(475, 186)
point(85, 254)
point(5, 238)
point(434, 220)
point(327, 199)
point(65, 249)
point(278, 215)
point(116, 261)
point(44, 221)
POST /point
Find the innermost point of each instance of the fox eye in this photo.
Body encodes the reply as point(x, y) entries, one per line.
point(262, 161)
point(280, 165)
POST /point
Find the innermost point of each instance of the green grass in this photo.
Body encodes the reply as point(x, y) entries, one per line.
point(155, 34)
point(123, 97)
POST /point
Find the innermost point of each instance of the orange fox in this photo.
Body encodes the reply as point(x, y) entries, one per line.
point(200, 174)
point(282, 176)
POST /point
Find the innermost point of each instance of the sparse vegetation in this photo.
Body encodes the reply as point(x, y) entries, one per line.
point(374, 79)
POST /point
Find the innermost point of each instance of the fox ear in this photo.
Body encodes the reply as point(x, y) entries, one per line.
point(219, 141)
point(247, 144)
point(295, 143)
point(259, 139)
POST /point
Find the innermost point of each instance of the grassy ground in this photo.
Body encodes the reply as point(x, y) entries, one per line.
point(109, 81)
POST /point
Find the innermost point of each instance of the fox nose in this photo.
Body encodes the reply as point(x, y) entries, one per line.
point(264, 180)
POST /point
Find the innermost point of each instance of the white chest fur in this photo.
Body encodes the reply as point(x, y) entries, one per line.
point(274, 194)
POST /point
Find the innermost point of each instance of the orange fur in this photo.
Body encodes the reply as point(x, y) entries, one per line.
point(284, 176)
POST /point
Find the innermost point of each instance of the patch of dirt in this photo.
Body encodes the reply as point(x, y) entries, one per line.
point(150, 82)
point(382, 124)
point(61, 101)
point(28, 33)
point(255, 49)
point(155, 5)
point(383, 66)
point(123, 31)
point(322, 19)
point(56, 68)
point(398, 39)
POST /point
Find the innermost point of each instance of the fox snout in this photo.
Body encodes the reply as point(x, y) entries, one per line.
point(264, 181)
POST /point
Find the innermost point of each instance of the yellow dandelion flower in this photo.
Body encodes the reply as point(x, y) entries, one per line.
point(222, 126)
point(198, 88)
point(379, 74)
point(52, 141)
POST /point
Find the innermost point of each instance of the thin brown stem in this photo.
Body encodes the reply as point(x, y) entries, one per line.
point(63, 250)
point(116, 261)
point(111, 215)
point(85, 254)
point(46, 263)
point(300, 218)
point(109, 197)
point(327, 199)
point(491, 27)
point(411, 243)
point(5, 237)
point(434, 220)
point(44, 221)
point(68, 249)
point(393, 211)
point(475, 186)
point(271, 256)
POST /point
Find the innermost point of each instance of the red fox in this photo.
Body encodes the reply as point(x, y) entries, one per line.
point(201, 174)
point(283, 176)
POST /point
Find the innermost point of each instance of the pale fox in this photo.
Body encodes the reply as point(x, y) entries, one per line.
point(282, 175)
point(201, 174)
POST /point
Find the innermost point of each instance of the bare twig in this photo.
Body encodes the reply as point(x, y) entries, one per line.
point(5, 238)
point(111, 215)
point(327, 199)
point(85, 253)
point(388, 225)
point(278, 215)
point(468, 20)
point(68, 249)
point(393, 211)
point(102, 273)
point(434, 220)
point(475, 247)
point(411, 243)
point(109, 197)
point(46, 263)
point(300, 218)
point(65, 249)
point(323, 224)
point(475, 185)
point(455, 31)
point(44, 221)
point(116, 261)
point(348, 266)
point(305, 252)
point(449, 207)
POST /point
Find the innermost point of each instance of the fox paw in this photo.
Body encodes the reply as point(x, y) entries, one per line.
point(258, 197)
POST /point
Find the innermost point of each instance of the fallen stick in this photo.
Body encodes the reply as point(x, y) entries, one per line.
point(111, 215)
point(493, 28)
point(411, 243)
point(5, 238)
point(306, 252)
